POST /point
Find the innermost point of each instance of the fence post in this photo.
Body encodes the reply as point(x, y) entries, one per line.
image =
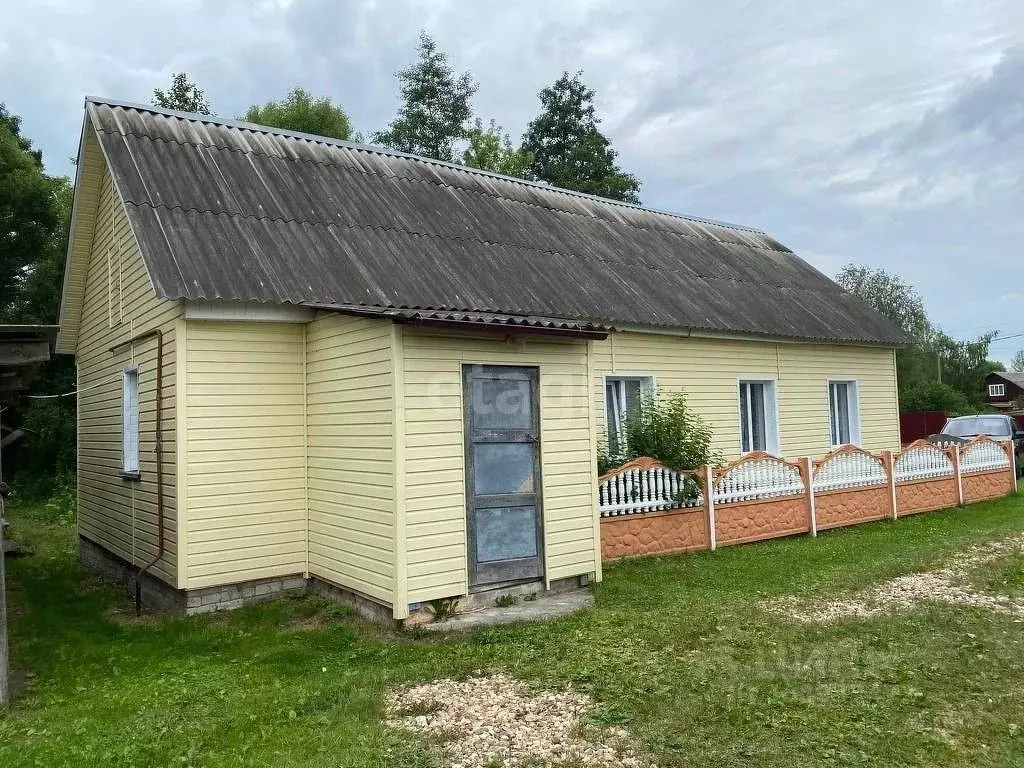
point(1009, 448)
point(709, 505)
point(890, 471)
point(959, 477)
point(808, 474)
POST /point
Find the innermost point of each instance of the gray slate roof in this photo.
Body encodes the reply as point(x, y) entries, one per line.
point(226, 210)
point(1013, 377)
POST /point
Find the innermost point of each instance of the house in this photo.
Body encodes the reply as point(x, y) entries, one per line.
point(1004, 388)
point(308, 362)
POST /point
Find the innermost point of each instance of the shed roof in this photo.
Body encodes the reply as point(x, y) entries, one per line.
point(235, 211)
point(23, 350)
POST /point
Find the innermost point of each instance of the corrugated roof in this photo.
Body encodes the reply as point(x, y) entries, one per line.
point(226, 210)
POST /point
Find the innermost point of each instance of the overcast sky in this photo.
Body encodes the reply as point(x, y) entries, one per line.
point(866, 131)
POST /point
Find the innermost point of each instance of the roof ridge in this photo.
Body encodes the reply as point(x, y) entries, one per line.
point(455, 238)
point(298, 135)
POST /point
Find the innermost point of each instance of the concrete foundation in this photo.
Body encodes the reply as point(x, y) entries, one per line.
point(163, 598)
point(364, 606)
point(160, 597)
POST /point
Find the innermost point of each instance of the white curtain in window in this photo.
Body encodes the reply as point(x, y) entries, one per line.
point(621, 396)
point(843, 417)
point(754, 426)
point(130, 420)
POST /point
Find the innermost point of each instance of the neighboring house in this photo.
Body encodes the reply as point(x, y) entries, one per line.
point(1004, 388)
point(389, 376)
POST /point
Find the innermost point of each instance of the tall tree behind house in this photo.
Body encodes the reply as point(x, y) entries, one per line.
point(569, 150)
point(300, 111)
point(935, 371)
point(183, 95)
point(435, 111)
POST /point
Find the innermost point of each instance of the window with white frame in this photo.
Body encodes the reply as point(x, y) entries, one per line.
point(621, 395)
point(130, 420)
point(997, 390)
point(759, 429)
point(844, 413)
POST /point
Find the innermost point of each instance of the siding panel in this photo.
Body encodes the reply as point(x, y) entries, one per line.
point(245, 454)
point(119, 302)
point(350, 399)
point(708, 369)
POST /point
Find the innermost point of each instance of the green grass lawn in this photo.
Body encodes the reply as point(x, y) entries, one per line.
point(681, 650)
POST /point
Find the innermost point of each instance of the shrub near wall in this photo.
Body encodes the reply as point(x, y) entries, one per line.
point(761, 496)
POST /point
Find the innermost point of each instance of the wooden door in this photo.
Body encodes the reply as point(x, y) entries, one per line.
point(503, 482)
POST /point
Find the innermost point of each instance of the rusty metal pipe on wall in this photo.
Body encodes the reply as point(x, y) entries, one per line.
point(159, 435)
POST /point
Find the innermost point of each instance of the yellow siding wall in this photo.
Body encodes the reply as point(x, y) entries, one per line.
point(245, 451)
point(435, 461)
point(120, 514)
point(708, 370)
point(350, 400)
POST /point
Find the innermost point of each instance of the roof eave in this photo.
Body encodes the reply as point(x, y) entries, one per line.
point(708, 333)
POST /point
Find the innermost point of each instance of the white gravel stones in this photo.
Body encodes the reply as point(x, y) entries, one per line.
point(493, 720)
point(947, 585)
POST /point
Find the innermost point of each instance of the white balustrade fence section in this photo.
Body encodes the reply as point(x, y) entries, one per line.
point(646, 490)
point(758, 479)
point(850, 470)
point(638, 489)
point(922, 461)
point(983, 457)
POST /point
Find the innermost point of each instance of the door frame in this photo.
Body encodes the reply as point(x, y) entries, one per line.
point(509, 570)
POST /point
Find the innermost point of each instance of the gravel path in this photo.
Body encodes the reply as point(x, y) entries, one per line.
point(494, 721)
point(947, 585)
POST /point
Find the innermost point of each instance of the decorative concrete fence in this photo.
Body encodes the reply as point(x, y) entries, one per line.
point(647, 508)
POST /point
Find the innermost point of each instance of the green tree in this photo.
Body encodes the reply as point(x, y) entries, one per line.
point(932, 356)
point(1018, 362)
point(491, 150)
point(34, 210)
point(29, 214)
point(965, 364)
point(39, 299)
point(569, 150)
point(895, 299)
point(435, 109)
point(890, 296)
point(183, 95)
point(299, 111)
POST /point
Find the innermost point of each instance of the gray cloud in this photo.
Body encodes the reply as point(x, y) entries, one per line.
point(862, 131)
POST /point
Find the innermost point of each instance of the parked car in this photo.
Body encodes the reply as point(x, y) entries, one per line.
point(995, 425)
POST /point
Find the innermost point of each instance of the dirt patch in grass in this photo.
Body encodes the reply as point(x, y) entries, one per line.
point(950, 584)
point(494, 721)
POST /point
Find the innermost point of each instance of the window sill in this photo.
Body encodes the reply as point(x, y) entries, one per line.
point(130, 475)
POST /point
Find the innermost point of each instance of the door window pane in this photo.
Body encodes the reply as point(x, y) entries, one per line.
point(501, 403)
point(503, 468)
point(506, 533)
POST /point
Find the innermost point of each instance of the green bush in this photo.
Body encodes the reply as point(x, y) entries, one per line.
point(668, 429)
point(935, 396)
